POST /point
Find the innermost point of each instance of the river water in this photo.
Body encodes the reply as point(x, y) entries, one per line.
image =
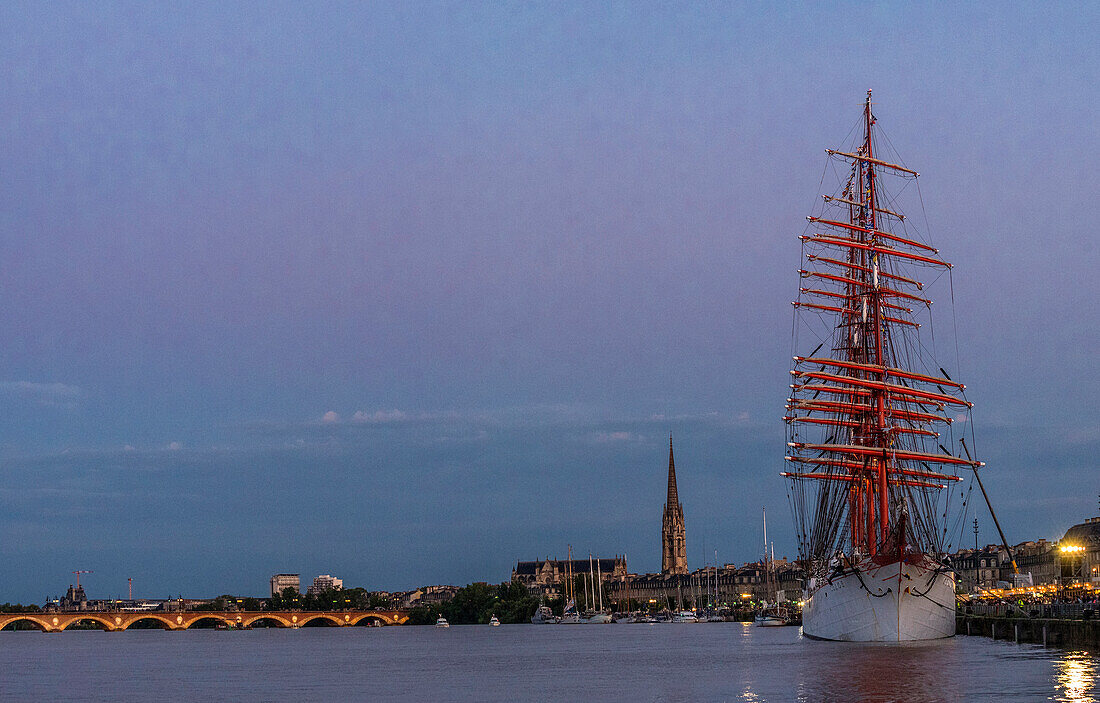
point(669, 662)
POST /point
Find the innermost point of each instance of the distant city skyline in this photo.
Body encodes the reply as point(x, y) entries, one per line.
point(408, 292)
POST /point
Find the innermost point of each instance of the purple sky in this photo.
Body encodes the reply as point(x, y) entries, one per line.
point(523, 243)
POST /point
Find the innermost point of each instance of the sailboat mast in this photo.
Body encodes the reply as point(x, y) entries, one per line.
point(592, 585)
point(716, 580)
point(599, 581)
point(569, 576)
point(765, 512)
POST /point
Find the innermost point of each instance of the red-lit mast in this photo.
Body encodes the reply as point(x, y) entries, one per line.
point(868, 415)
point(879, 424)
point(879, 409)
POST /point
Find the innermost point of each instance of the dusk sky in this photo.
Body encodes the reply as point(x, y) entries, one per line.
point(407, 292)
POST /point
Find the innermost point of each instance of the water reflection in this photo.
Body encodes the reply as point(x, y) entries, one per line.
point(636, 663)
point(1075, 677)
point(877, 672)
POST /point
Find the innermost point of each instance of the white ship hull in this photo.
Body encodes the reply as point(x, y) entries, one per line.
point(888, 602)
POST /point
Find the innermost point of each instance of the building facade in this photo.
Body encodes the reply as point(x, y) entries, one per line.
point(74, 599)
point(979, 569)
point(545, 577)
point(1079, 553)
point(427, 595)
point(673, 534)
point(283, 581)
point(325, 582)
point(1035, 558)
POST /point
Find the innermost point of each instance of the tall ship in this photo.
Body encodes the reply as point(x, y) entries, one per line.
point(875, 424)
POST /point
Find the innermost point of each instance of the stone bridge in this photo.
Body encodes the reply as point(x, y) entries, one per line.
point(117, 621)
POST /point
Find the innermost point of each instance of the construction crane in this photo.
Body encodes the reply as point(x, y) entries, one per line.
point(78, 573)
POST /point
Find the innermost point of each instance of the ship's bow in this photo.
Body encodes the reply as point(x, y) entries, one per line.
point(872, 601)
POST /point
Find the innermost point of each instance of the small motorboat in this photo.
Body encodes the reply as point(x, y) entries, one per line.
point(494, 622)
point(769, 618)
point(442, 622)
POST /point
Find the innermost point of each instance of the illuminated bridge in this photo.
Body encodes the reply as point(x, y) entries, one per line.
point(117, 621)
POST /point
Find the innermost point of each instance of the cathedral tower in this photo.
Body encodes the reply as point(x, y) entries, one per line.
point(673, 547)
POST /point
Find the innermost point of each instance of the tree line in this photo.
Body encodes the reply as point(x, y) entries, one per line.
point(332, 599)
point(476, 603)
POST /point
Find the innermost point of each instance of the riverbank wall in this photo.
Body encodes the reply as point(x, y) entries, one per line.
point(1067, 634)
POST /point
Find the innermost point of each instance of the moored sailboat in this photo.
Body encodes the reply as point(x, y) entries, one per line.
point(867, 416)
point(569, 615)
point(544, 616)
point(770, 614)
point(598, 616)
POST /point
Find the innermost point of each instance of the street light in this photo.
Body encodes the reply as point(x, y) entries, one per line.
point(1073, 559)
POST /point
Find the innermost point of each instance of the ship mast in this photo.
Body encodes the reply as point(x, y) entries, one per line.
point(877, 426)
point(879, 406)
point(864, 348)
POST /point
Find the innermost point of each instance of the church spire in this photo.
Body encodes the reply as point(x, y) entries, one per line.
point(673, 498)
point(673, 545)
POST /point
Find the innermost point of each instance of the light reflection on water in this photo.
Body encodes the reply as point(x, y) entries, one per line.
point(669, 662)
point(1076, 677)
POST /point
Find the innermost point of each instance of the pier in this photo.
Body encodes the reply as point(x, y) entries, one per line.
point(1048, 626)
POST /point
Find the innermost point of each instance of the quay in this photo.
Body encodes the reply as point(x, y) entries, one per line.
point(118, 621)
point(1070, 626)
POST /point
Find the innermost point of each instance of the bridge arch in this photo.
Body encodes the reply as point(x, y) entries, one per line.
point(371, 618)
point(107, 623)
point(38, 624)
point(331, 619)
point(209, 621)
point(162, 620)
point(279, 620)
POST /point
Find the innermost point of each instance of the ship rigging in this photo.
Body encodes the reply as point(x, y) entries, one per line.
point(870, 409)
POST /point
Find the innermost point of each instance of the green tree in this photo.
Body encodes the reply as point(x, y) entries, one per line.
point(477, 602)
point(515, 603)
point(423, 615)
point(287, 599)
point(377, 600)
point(472, 604)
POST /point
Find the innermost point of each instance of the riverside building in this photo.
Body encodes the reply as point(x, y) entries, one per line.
point(279, 582)
point(325, 582)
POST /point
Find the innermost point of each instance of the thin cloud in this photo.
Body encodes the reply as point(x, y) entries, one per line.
point(379, 416)
point(607, 437)
point(47, 395)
